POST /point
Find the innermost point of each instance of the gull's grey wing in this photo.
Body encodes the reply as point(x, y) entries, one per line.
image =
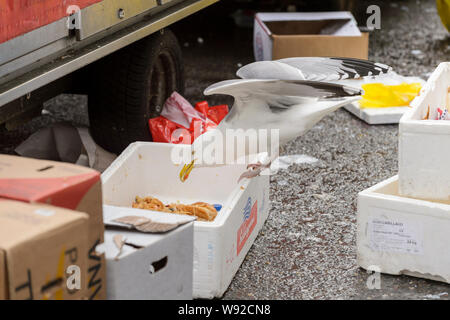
point(312, 68)
point(280, 95)
point(293, 88)
point(270, 70)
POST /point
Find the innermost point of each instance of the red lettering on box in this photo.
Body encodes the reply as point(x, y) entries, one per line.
point(246, 229)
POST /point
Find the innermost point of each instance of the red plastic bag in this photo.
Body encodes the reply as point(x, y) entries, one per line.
point(215, 113)
point(202, 107)
point(162, 130)
point(177, 109)
point(181, 123)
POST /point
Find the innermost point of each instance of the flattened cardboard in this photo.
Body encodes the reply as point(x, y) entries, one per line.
point(114, 217)
point(64, 185)
point(64, 142)
point(308, 34)
point(58, 142)
point(97, 157)
point(37, 244)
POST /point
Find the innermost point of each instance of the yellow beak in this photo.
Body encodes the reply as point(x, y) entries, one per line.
point(187, 168)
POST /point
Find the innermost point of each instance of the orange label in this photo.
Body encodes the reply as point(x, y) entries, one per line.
point(246, 228)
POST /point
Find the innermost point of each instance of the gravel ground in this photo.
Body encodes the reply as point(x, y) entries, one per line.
point(306, 249)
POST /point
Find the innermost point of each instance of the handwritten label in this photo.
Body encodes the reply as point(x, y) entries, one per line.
point(395, 235)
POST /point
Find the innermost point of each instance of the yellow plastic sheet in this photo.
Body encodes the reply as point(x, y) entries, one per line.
point(378, 95)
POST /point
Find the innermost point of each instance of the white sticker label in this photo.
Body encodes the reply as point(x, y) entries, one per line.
point(395, 236)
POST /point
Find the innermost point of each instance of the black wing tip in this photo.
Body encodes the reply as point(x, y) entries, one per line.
point(355, 61)
point(348, 68)
point(365, 67)
point(338, 90)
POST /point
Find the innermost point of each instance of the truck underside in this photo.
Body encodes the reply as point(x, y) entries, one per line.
point(51, 59)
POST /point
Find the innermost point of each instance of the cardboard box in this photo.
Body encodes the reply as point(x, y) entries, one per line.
point(63, 185)
point(4, 290)
point(424, 145)
point(220, 246)
point(400, 235)
point(308, 34)
point(38, 243)
point(149, 266)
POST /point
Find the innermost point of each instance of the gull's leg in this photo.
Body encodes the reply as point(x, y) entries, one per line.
point(250, 174)
point(254, 165)
point(259, 165)
point(254, 170)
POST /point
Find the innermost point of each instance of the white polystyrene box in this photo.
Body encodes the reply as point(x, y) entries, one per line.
point(146, 169)
point(400, 235)
point(424, 145)
point(376, 115)
point(380, 115)
point(149, 266)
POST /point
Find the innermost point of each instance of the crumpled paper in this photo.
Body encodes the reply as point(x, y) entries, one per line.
point(66, 143)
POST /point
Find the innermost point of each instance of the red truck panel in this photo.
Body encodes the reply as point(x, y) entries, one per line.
point(21, 16)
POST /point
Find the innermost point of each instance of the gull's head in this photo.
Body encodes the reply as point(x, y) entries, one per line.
point(193, 159)
point(206, 150)
point(186, 170)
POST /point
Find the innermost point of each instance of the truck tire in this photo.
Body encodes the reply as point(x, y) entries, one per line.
point(130, 86)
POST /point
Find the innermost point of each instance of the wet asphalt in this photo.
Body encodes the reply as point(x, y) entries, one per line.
point(307, 247)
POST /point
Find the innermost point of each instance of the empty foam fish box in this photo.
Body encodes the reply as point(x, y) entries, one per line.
point(400, 235)
point(424, 145)
point(220, 246)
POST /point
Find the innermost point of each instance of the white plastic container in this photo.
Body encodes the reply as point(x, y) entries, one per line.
point(399, 235)
point(424, 145)
point(377, 115)
point(146, 169)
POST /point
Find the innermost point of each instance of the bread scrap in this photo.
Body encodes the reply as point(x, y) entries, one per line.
point(202, 210)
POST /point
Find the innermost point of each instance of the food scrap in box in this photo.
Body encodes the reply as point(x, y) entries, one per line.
point(202, 210)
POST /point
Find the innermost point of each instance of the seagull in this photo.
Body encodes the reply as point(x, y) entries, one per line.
point(289, 95)
point(312, 68)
